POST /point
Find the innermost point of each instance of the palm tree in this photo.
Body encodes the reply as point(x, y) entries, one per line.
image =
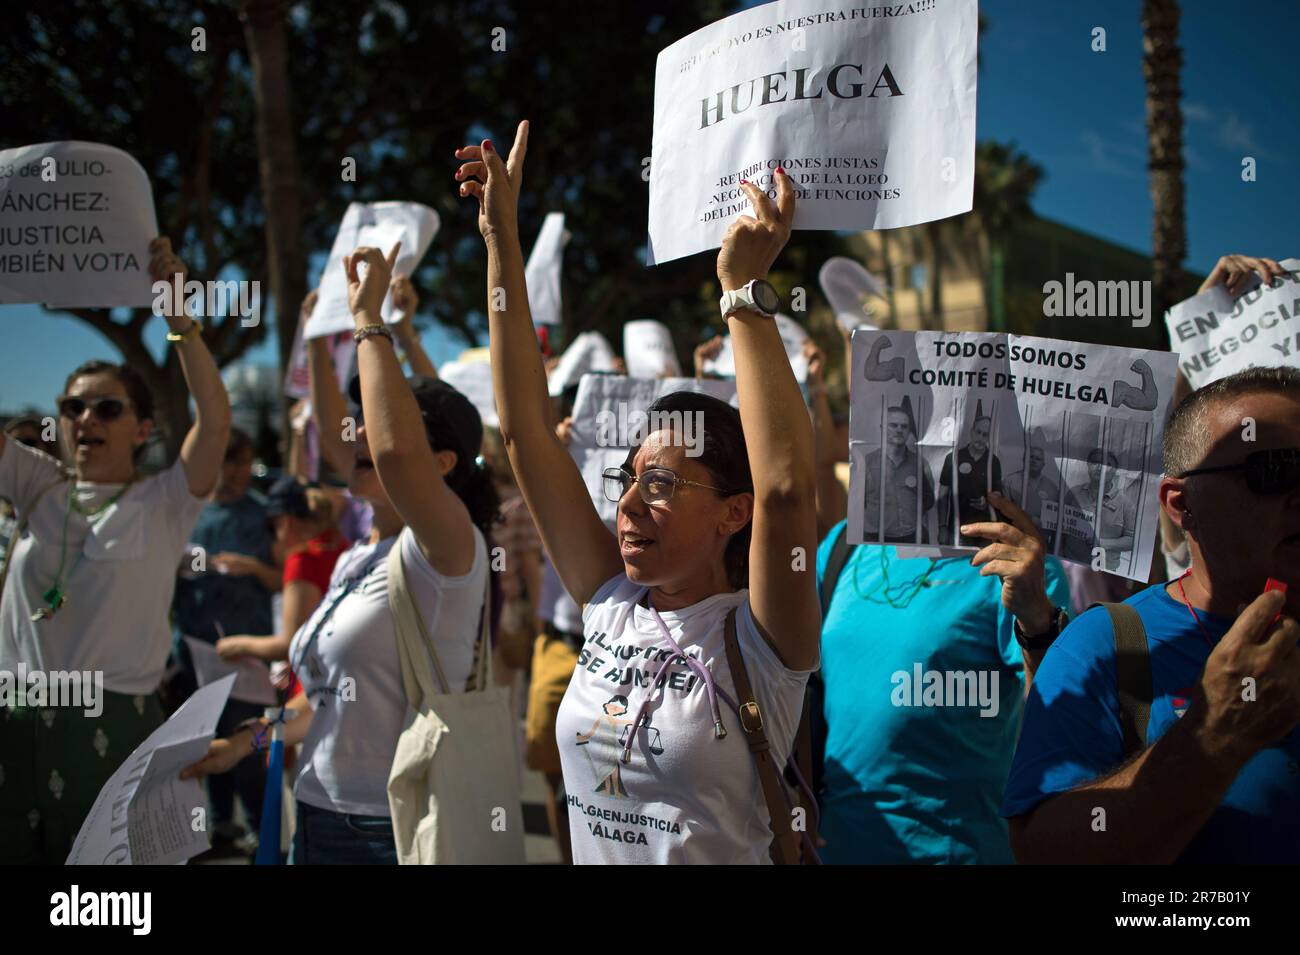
point(1162, 62)
point(1004, 182)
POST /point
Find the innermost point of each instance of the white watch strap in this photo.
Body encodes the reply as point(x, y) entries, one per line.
point(737, 299)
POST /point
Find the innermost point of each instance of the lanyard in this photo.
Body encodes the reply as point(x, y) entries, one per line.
point(347, 588)
point(1192, 610)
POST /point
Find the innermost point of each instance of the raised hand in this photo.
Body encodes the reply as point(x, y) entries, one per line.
point(1261, 647)
point(1016, 554)
point(751, 244)
point(1233, 271)
point(164, 266)
point(495, 183)
point(366, 290)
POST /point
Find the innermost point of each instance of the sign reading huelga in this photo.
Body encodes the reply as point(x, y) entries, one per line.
point(870, 110)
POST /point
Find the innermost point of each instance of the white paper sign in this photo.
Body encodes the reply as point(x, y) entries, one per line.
point(792, 336)
point(377, 224)
point(145, 813)
point(589, 352)
point(542, 273)
point(609, 413)
point(76, 220)
point(1216, 336)
point(870, 109)
point(648, 350)
point(848, 286)
point(1069, 431)
point(252, 677)
point(473, 379)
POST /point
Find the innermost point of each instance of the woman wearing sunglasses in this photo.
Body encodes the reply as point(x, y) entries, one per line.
point(693, 532)
point(89, 585)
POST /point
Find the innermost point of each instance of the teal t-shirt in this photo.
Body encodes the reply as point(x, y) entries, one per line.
point(924, 690)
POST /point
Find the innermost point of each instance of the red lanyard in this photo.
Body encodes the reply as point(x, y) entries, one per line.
point(1192, 610)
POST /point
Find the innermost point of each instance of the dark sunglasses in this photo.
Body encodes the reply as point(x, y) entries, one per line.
point(105, 409)
point(1274, 471)
point(655, 484)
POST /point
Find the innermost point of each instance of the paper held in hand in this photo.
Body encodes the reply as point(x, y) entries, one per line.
point(870, 110)
point(376, 224)
point(648, 350)
point(78, 219)
point(1216, 335)
point(1069, 431)
point(146, 814)
point(252, 677)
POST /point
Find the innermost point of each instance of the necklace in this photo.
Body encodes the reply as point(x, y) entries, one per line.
point(907, 590)
point(1192, 610)
point(54, 598)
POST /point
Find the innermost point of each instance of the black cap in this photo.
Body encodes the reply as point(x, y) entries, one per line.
point(450, 419)
point(287, 496)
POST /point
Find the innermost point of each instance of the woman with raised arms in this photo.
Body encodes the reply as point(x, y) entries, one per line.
point(732, 529)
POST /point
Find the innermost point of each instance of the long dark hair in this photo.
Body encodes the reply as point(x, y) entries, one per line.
point(727, 458)
point(470, 478)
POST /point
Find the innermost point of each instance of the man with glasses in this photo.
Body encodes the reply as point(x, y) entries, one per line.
point(1184, 746)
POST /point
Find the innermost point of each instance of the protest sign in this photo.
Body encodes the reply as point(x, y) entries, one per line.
point(1216, 336)
point(589, 352)
point(376, 224)
point(146, 814)
point(1069, 431)
point(870, 110)
point(252, 677)
point(542, 273)
point(609, 417)
point(792, 336)
point(648, 350)
point(848, 286)
point(473, 379)
point(76, 220)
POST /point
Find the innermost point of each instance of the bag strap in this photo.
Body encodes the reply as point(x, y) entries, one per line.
point(1133, 675)
point(769, 774)
point(418, 655)
point(20, 528)
point(841, 549)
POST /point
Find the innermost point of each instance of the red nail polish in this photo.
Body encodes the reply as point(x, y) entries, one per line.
point(487, 145)
point(744, 182)
point(780, 170)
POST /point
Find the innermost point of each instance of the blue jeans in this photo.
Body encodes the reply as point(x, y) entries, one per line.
point(338, 838)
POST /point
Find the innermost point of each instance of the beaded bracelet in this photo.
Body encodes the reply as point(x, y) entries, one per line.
point(367, 331)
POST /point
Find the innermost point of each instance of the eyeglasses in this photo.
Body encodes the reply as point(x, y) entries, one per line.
point(106, 409)
point(656, 484)
point(1274, 471)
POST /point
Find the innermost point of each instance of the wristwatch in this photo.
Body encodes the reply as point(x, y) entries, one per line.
point(757, 295)
point(1041, 641)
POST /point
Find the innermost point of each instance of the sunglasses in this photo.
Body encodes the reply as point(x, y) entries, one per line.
point(105, 409)
point(655, 484)
point(1274, 471)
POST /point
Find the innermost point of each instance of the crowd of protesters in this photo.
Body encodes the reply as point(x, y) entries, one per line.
point(689, 689)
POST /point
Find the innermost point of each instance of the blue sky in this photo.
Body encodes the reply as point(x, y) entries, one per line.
point(1078, 113)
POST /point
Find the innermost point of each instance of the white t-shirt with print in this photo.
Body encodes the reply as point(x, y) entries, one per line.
point(352, 674)
point(117, 595)
point(686, 796)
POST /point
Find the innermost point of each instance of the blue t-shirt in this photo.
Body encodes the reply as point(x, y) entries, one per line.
point(1072, 732)
point(907, 782)
point(241, 604)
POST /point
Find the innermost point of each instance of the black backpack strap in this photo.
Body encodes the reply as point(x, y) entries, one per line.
point(841, 550)
point(1132, 675)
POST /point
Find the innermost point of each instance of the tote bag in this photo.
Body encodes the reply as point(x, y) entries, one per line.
point(454, 789)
